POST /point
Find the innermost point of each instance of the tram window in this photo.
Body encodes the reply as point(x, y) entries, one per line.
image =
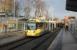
point(31, 26)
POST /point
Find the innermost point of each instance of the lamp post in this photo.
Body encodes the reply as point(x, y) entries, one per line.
point(14, 8)
point(52, 18)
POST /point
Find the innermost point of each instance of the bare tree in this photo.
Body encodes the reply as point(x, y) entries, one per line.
point(40, 8)
point(39, 5)
point(16, 8)
point(27, 9)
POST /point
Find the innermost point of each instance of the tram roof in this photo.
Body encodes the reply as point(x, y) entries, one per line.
point(36, 20)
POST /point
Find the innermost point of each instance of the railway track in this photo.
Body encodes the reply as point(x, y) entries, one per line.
point(31, 43)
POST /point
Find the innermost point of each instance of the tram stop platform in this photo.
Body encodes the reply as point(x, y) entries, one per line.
point(64, 41)
point(9, 37)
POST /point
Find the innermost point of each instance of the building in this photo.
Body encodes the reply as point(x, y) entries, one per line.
point(6, 7)
point(71, 23)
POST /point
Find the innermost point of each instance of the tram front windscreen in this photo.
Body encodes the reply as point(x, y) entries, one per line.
point(31, 26)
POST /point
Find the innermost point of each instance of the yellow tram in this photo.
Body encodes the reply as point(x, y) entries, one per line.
point(35, 27)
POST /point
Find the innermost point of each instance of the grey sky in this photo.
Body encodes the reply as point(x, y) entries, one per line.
point(58, 7)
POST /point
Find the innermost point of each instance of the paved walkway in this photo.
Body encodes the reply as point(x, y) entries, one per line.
point(69, 42)
point(64, 41)
point(12, 36)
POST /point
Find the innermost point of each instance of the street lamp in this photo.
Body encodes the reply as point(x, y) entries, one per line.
point(14, 8)
point(52, 13)
point(52, 17)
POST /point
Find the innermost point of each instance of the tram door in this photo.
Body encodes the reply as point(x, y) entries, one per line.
point(42, 26)
point(39, 25)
